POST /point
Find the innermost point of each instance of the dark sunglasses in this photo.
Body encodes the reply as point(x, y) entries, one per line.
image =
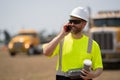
point(75, 21)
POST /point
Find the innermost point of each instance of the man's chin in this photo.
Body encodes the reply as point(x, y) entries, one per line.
point(74, 32)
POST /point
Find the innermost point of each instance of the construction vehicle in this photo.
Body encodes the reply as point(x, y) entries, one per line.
point(105, 29)
point(25, 41)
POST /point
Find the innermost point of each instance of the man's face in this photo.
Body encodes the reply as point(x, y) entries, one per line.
point(77, 25)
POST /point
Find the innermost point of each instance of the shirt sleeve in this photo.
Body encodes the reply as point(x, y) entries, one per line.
point(96, 57)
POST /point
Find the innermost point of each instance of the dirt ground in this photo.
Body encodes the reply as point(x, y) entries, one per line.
point(37, 67)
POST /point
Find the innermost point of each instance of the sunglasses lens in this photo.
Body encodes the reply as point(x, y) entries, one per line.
point(75, 21)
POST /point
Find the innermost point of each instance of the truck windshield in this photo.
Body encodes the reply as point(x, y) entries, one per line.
point(107, 22)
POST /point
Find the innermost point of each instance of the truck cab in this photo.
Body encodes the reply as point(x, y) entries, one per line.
point(105, 29)
point(25, 41)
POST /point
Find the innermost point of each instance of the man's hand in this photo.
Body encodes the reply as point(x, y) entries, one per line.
point(91, 74)
point(65, 30)
point(87, 75)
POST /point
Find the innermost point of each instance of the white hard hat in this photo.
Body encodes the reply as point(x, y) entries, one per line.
point(80, 12)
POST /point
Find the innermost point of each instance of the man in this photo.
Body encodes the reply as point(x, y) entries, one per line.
point(74, 48)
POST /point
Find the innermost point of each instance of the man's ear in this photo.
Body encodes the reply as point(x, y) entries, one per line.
point(84, 24)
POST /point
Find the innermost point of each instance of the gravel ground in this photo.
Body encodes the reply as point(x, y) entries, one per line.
point(37, 67)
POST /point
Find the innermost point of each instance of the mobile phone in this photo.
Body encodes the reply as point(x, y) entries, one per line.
point(67, 28)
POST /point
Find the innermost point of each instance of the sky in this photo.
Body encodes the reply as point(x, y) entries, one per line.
point(48, 15)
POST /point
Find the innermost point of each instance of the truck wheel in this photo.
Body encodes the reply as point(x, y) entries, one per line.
point(12, 53)
point(30, 51)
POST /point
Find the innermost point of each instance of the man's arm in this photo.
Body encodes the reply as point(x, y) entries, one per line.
point(50, 47)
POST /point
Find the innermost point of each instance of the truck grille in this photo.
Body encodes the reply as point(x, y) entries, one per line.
point(104, 39)
point(18, 45)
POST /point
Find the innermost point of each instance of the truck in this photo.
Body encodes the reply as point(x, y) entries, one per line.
point(105, 30)
point(25, 41)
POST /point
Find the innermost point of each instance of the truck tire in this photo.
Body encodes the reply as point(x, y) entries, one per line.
point(30, 51)
point(12, 53)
